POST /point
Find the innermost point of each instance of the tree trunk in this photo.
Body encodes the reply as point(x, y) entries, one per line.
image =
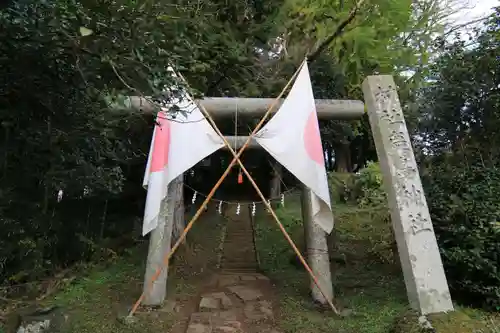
point(329, 157)
point(275, 190)
point(343, 158)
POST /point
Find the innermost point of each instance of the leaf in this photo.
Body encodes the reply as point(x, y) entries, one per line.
point(85, 31)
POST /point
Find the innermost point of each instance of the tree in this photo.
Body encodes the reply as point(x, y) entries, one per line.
point(389, 37)
point(62, 63)
point(458, 131)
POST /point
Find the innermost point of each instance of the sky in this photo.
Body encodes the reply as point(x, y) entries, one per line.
point(474, 9)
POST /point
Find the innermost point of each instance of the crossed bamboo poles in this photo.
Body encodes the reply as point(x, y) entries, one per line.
point(236, 158)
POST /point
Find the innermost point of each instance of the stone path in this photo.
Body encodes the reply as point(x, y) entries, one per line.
point(235, 303)
point(238, 299)
point(239, 252)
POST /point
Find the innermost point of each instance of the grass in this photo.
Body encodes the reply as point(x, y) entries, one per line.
point(367, 278)
point(95, 302)
point(103, 293)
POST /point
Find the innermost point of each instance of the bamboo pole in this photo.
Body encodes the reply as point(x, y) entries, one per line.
point(212, 192)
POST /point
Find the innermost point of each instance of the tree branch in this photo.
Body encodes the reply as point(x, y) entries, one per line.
point(464, 25)
point(338, 31)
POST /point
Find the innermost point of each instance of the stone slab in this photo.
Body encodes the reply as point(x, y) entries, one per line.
point(222, 318)
point(258, 311)
point(198, 328)
point(228, 327)
point(200, 317)
point(248, 278)
point(223, 299)
point(210, 303)
point(246, 293)
point(228, 280)
point(262, 277)
point(229, 315)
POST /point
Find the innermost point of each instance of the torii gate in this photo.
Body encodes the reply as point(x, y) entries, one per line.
point(225, 107)
point(424, 276)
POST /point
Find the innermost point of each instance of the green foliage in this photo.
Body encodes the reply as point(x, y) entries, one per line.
point(63, 63)
point(459, 126)
point(389, 37)
point(368, 280)
point(340, 186)
point(367, 188)
point(465, 209)
point(459, 108)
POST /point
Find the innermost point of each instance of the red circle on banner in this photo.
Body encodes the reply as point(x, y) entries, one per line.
point(161, 143)
point(312, 139)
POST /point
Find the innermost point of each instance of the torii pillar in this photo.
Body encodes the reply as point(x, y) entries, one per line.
point(222, 107)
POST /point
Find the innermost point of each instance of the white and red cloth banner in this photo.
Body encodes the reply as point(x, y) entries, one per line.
point(292, 137)
point(178, 144)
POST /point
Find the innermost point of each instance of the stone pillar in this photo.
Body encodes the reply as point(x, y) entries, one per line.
point(159, 246)
point(317, 251)
point(177, 188)
point(423, 271)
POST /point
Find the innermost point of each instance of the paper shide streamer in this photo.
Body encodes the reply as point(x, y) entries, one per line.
point(60, 195)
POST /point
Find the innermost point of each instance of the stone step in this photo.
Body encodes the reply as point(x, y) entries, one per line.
point(236, 258)
point(247, 254)
point(239, 263)
point(247, 259)
point(240, 233)
point(242, 268)
point(233, 240)
point(238, 253)
point(238, 247)
point(243, 260)
point(234, 254)
point(247, 237)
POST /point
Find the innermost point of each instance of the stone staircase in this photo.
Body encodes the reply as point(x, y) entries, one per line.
point(239, 252)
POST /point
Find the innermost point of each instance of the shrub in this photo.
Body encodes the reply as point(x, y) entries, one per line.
point(464, 201)
point(340, 186)
point(367, 187)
